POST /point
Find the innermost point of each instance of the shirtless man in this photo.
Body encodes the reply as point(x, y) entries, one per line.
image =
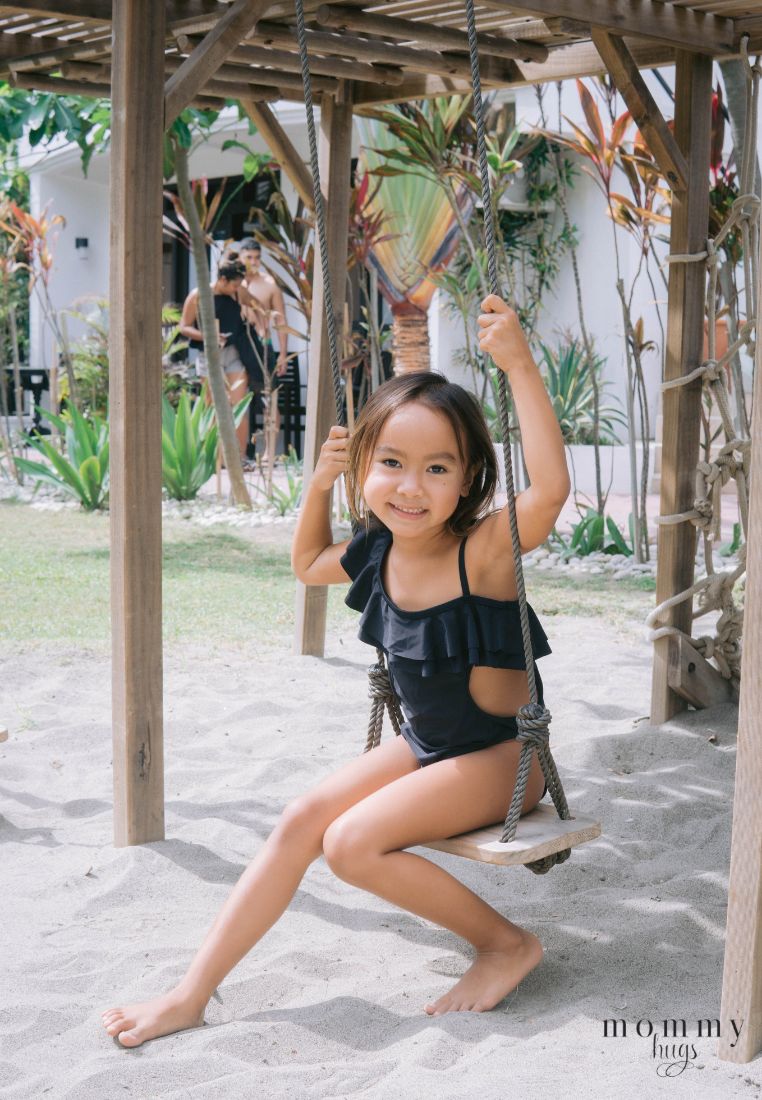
point(263, 287)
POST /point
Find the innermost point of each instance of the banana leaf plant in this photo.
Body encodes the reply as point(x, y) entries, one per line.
point(189, 443)
point(422, 235)
point(83, 471)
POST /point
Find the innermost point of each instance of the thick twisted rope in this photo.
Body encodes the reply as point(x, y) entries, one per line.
point(533, 719)
point(330, 316)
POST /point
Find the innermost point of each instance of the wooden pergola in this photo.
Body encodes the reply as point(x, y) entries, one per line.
point(156, 57)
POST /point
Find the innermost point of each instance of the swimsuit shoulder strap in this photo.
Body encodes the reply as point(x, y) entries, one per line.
point(462, 568)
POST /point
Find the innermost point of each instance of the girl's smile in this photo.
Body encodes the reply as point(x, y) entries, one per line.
point(416, 474)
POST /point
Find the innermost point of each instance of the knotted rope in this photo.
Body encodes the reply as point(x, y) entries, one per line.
point(532, 719)
point(715, 590)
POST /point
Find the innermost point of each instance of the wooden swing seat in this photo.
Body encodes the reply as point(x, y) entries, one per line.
point(540, 833)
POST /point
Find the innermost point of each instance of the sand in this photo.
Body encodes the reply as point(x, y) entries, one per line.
point(330, 1003)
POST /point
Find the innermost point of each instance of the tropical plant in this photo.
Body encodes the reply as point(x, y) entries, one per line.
point(288, 500)
point(422, 228)
point(29, 248)
point(603, 153)
point(593, 533)
point(189, 443)
point(568, 379)
point(83, 471)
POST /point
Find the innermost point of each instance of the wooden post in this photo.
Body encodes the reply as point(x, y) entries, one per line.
point(135, 401)
point(742, 977)
point(685, 332)
point(335, 166)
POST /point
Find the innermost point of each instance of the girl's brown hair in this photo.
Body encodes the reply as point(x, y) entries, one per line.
point(461, 408)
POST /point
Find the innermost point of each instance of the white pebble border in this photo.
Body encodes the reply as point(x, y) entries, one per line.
point(204, 512)
point(616, 566)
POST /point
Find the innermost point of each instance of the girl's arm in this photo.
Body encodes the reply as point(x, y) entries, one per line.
point(314, 555)
point(538, 507)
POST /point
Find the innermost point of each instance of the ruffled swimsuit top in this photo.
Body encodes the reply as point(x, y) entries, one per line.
point(430, 653)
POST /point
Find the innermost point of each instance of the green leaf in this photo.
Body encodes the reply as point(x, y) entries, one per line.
point(90, 474)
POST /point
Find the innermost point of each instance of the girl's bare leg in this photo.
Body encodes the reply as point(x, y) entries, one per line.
point(261, 895)
point(364, 847)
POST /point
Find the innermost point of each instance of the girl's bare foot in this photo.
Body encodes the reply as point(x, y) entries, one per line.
point(134, 1024)
point(490, 977)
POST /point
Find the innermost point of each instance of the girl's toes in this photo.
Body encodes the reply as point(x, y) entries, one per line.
point(110, 1013)
point(130, 1038)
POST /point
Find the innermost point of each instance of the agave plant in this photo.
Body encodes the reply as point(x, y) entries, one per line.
point(189, 443)
point(570, 388)
point(83, 471)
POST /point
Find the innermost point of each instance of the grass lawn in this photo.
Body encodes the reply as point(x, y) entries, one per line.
point(220, 584)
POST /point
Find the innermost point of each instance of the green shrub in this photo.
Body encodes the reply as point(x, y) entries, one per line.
point(569, 383)
point(590, 536)
point(83, 471)
point(189, 443)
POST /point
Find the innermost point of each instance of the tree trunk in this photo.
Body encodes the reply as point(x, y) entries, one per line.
point(207, 324)
point(734, 79)
point(410, 338)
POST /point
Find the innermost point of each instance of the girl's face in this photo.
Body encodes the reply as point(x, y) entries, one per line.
point(416, 475)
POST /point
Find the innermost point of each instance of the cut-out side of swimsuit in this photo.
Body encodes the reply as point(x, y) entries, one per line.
point(431, 652)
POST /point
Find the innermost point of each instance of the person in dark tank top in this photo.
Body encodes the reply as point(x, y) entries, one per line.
point(229, 295)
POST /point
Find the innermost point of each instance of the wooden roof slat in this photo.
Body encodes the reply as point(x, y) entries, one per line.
point(681, 27)
point(375, 49)
point(91, 10)
point(100, 11)
point(320, 66)
point(427, 33)
point(239, 75)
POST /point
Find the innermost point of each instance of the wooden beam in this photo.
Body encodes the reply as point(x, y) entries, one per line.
point(289, 61)
point(91, 11)
point(694, 679)
point(642, 106)
point(280, 146)
point(335, 168)
point(427, 33)
point(370, 96)
point(43, 82)
point(370, 49)
point(49, 55)
point(676, 547)
point(231, 81)
point(742, 975)
point(214, 96)
point(100, 11)
point(582, 59)
point(21, 47)
point(135, 402)
point(202, 64)
point(683, 28)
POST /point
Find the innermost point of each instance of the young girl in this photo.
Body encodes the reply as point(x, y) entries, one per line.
point(434, 579)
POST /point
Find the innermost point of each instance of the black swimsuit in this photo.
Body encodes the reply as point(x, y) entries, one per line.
point(430, 653)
